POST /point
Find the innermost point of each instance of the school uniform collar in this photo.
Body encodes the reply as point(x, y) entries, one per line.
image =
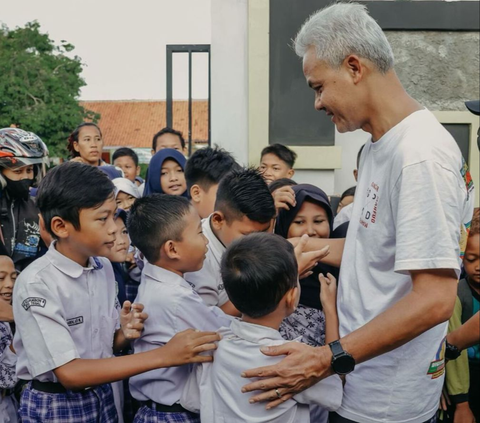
point(256, 334)
point(214, 243)
point(67, 265)
point(160, 274)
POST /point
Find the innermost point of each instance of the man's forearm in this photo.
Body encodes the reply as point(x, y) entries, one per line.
point(466, 335)
point(334, 257)
point(430, 303)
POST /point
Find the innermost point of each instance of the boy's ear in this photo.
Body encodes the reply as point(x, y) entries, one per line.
point(171, 251)
point(60, 227)
point(290, 173)
point(138, 171)
point(75, 146)
point(217, 220)
point(153, 152)
point(196, 193)
point(291, 298)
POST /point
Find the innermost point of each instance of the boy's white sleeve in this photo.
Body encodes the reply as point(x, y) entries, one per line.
point(190, 398)
point(43, 328)
point(327, 393)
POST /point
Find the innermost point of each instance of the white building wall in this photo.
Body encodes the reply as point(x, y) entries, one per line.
point(229, 76)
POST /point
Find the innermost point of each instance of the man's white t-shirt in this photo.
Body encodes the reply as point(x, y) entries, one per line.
point(413, 196)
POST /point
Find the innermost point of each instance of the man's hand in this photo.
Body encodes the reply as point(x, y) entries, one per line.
point(303, 367)
point(463, 414)
point(185, 347)
point(308, 260)
point(132, 318)
point(284, 198)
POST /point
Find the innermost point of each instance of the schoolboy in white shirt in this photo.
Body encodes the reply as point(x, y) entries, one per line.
point(243, 205)
point(68, 318)
point(261, 279)
point(168, 231)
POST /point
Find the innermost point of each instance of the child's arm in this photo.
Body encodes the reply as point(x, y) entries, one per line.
point(183, 348)
point(328, 298)
point(316, 245)
point(132, 317)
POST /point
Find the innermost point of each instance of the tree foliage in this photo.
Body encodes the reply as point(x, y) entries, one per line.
point(40, 86)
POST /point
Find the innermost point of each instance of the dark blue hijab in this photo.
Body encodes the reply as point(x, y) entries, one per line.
point(152, 182)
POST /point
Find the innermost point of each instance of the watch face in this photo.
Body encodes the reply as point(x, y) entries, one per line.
point(344, 364)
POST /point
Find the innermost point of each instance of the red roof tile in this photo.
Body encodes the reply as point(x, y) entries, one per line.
point(133, 123)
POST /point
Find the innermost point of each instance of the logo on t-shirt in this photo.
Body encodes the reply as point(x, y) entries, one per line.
point(33, 302)
point(370, 208)
point(437, 366)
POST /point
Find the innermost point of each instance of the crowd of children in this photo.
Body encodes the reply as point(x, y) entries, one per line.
point(145, 300)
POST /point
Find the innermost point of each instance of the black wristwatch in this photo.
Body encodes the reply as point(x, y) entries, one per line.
point(342, 362)
point(451, 351)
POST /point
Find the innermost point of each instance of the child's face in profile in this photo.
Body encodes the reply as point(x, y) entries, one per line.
point(172, 178)
point(193, 246)
point(126, 163)
point(230, 231)
point(273, 168)
point(311, 219)
point(471, 260)
point(206, 201)
point(118, 254)
point(124, 201)
point(97, 233)
point(8, 274)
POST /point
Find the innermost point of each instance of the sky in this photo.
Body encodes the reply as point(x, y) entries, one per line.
point(122, 43)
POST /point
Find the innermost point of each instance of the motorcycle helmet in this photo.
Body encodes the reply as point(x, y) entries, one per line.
point(20, 148)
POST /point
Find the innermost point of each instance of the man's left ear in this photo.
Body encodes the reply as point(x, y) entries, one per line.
point(290, 173)
point(355, 67)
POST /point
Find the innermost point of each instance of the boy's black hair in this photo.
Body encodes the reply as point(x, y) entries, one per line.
point(348, 192)
point(164, 131)
point(125, 151)
point(73, 137)
point(156, 219)
point(207, 166)
point(257, 271)
point(244, 192)
point(282, 152)
point(282, 182)
point(69, 188)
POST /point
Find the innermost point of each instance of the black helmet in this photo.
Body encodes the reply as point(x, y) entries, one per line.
point(20, 148)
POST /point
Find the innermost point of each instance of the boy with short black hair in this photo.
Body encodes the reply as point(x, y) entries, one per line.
point(264, 287)
point(68, 319)
point(168, 138)
point(203, 172)
point(127, 160)
point(168, 231)
point(243, 205)
point(277, 161)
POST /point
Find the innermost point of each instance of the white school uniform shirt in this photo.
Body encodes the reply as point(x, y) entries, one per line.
point(172, 306)
point(214, 389)
point(343, 216)
point(207, 282)
point(412, 199)
point(63, 311)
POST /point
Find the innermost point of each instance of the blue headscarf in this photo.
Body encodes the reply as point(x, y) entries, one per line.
point(152, 182)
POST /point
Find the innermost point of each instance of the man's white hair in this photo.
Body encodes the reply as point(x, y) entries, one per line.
point(343, 29)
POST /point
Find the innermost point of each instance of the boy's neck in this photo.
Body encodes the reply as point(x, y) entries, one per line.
point(169, 267)
point(272, 320)
point(71, 252)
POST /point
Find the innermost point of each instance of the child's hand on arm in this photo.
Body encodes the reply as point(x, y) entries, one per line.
point(284, 198)
point(186, 346)
point(132, 318)
point(308, 260)
point(328, 298)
